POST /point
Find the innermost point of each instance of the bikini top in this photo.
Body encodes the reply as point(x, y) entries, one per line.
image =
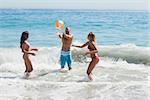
point(89, 47)
point(27, 43)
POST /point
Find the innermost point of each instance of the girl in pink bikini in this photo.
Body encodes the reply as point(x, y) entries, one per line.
point(25, 46)
point(91, 44)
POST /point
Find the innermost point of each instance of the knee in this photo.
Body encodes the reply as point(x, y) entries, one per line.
point(30, 70)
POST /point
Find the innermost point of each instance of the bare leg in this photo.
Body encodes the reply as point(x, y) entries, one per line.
point(25, 62)
point(91, 67)
point(25, 66)
point(28, 64)
point(30, 68)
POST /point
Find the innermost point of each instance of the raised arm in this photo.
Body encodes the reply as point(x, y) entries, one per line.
point(67, 36)
point(34, 49)
point(60, 35)
point(82, 46)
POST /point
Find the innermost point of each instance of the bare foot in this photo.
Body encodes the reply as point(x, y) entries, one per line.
point(27, 74)
point(90, 77)
point(69, 68)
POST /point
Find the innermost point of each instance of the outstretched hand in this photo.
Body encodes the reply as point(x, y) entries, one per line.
point(73, 46)
point(33, 54)
point(59, 34)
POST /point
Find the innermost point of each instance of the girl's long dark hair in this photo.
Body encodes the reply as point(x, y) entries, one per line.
point(24, 37)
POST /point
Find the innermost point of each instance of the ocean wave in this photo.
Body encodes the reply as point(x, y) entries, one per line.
point(129, 52)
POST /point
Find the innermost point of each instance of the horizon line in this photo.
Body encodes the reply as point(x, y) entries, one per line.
point(75, 9)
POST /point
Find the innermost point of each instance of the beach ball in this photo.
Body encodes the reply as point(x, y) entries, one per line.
point(59, 24)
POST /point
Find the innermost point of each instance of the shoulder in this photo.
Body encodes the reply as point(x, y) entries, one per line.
point(71, 36)
point(68, 36)
point(88, 42)
point(26, 43)
point(92, 43)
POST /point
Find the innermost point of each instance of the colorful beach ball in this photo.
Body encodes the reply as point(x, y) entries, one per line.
point(59, 24)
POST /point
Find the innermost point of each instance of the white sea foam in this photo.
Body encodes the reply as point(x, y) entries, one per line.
point(113, 79)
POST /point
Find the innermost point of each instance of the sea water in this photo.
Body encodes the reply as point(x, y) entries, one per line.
point(123, 72)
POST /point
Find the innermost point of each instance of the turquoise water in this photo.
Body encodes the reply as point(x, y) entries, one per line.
point(123, 72)
point(110, 27)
